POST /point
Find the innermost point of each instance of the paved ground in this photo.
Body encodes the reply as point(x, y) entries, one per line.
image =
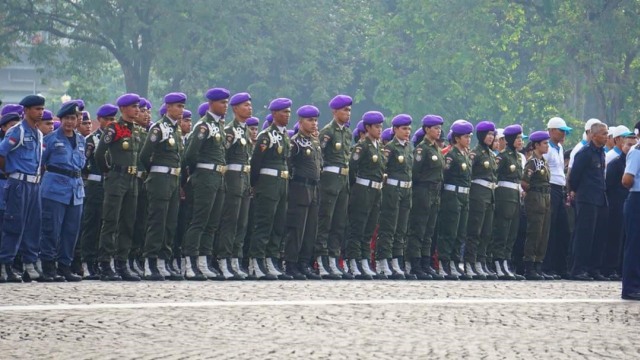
point(337, 320)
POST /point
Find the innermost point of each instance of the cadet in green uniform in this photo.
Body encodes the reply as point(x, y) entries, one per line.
point(161, 156)
point(136, 261)
point(305, 163)
point(335, 141)
point(233, 224)
point(242, 250)
point(455, 200)
point(94, 196)
point(427, 177)
point(506, 216)
point(396, 200)
point(122, 141)
point(366, 169)
point(205, 157)
point(537, 202)
point(481, 203)
point(270, 179)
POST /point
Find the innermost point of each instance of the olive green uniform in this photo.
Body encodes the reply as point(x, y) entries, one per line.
point(205, 157)
point(117, 155)
point(94, 197)
point(427, 183)
point(454, 210)
point(269, 177)
point(396, 200)
point(507, 214)
point(302, 211)
point(537, 205)
point(366, 169)
point(481, 203)
point(161, 156)
point(335, 141)
point(140, 226)
point(233, 225)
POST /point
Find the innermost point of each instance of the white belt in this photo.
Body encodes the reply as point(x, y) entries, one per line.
point(458, 189)
point(239, 167)
point(509, 184)
point(28, 178)
point(485, 183)
point(140, 174)
point(400, 183)
point(213, 167)
point(165, 170)
point(94, 177)
point(370, 183)
point(273, 172)
point(336, 170)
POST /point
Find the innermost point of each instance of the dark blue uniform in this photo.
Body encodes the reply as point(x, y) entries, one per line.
point(630, 263)
point(616, 194)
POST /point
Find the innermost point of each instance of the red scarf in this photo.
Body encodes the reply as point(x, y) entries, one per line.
point(122, 131)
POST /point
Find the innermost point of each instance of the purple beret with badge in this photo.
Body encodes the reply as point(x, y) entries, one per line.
point(216, 94)
point(340, 101)
point(538, 136)
point(461, 127)
point(279, 104)
point(308, 111)
point(175, 98)
point(107, 110)
point(372, 118)
point(512, 130)
point(203, 108)
point(47, 115)
point(432, 120)
point(387, 134)
point(253, 121)
point(186, 114)
point(128, 99)
point(401, 120)
point(12, 108)
point(485, 126)
point(239, 98)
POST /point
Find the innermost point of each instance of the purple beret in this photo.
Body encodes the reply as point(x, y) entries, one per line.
point(12, 108)
point(47, 115)
point(56, 124)
point(340, 101)
point(107, 110)
point(253, 121)
point(449, 136)
point(239, 98)
point(485, 126)
point(266, 124)
point(186, 114)
point(175, 97)
point(356, 134)
point(128, 99)
point(203, 108)
point(148, 104)
point(539, 136)
point(348, 123)
point(86, 116)
point(32, 100)
point(296, 128)
point(163, 109)
point(269, 118)
point(308, 111)
point(432, 120)
point(372, 118)
point(143, 103)
point(215, 94)
point(512, 130)
point(80, 103)
point(401, 120)
point(10, 116)
point(360, 126)
point(462, 127)
point(387, 134)
point(418, 136)
point(290, 133)
point(279, 104)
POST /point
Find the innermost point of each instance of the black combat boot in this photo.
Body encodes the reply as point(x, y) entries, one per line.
point(123, 270)
point(67, 274)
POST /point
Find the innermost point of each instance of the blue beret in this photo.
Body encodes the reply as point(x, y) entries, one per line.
point(107, 110)
point(512, 130)
point(175, 97)
point(461, 127)
point(12, 108)
point(308, 111)
point(372, 118)
point(253, 121)
point(539, 136)
point(418, 136)
point(432, 120)
point(401, 120)
point(360, 126)
point(485, 126)
point(32, 100)
point(69, 108)
point(290, 133)
point(9, 117)
point(86, 116)
point(340, 101)
point(387, 134)
point(128, 99)
point(203, 108)
point(47, 115)
point(215, 94)
point(279, 104)
point(239, 98)
point(186, 114)
point(163, 109)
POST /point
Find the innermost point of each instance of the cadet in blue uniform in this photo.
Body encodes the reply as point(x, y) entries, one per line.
point(62, 195)
point(20, 159)
point(6, 122)
point(630, 264)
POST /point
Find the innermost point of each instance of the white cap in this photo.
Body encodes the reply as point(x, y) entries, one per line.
point(590, 123)
point(620, 131)
point(558, 123)
point(612, 129)
point(499, 133)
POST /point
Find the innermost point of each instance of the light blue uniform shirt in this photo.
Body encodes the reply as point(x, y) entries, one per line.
point(22, 157)
point(59, 152)
point(633, 168)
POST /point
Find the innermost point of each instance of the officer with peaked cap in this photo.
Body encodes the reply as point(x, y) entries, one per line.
point(335, 142)
point(205, 158)
point(269, 178)
point(121, 139)
point(21, 159)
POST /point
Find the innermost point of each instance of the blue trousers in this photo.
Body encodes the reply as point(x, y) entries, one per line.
point(21, 227)
point(588, 238)
point(60, 231)
point(630, 263)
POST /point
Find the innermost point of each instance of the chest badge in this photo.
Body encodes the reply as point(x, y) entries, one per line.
point(338, 146)
point(374, 158)
point(308, 152)
point(434, 158)
point(280, 149)
point(542, 171)
point(512, 168)
point(400, 159)
point(243, 142)
point(172, 141)
point(125, 145)
point(464, 166)
point(486, 164)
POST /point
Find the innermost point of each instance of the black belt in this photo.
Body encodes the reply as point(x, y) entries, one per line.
point(428, 184)
point(544, 190)
point(556, 186)
point(304, 180)
point(69, 173)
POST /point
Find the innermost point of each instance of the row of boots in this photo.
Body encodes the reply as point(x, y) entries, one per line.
point(41, 271)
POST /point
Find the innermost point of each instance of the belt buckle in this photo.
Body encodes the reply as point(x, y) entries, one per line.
point(344, 171)
point(376, 185)
point(284, 174)
point(132, 170)
point(246, 168)
point(175, 171)
point(222, 169)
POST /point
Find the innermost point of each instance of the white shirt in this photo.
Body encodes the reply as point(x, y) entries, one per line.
point(555, 160)
point(611, 154)
point(575, 150)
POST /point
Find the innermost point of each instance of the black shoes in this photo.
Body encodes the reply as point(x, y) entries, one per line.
point(123, 271)
point(631, 296)
point(581, 277)
point(107, 273)
point(65, 272)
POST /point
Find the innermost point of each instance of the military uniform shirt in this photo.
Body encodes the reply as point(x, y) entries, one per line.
point(336, 145)
point(483, 164)
point(24, 144)
point(271, 152)
point(509, 166)
point(367, 161)
point(163, 146)
point(428, 163)
point(60, 153)
point(206, 143)
point(306, 157)
point(399, 159)
point(122, 140)
point(238, 144)
point(457, 168)
point(536, 174)
point(91, 142)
